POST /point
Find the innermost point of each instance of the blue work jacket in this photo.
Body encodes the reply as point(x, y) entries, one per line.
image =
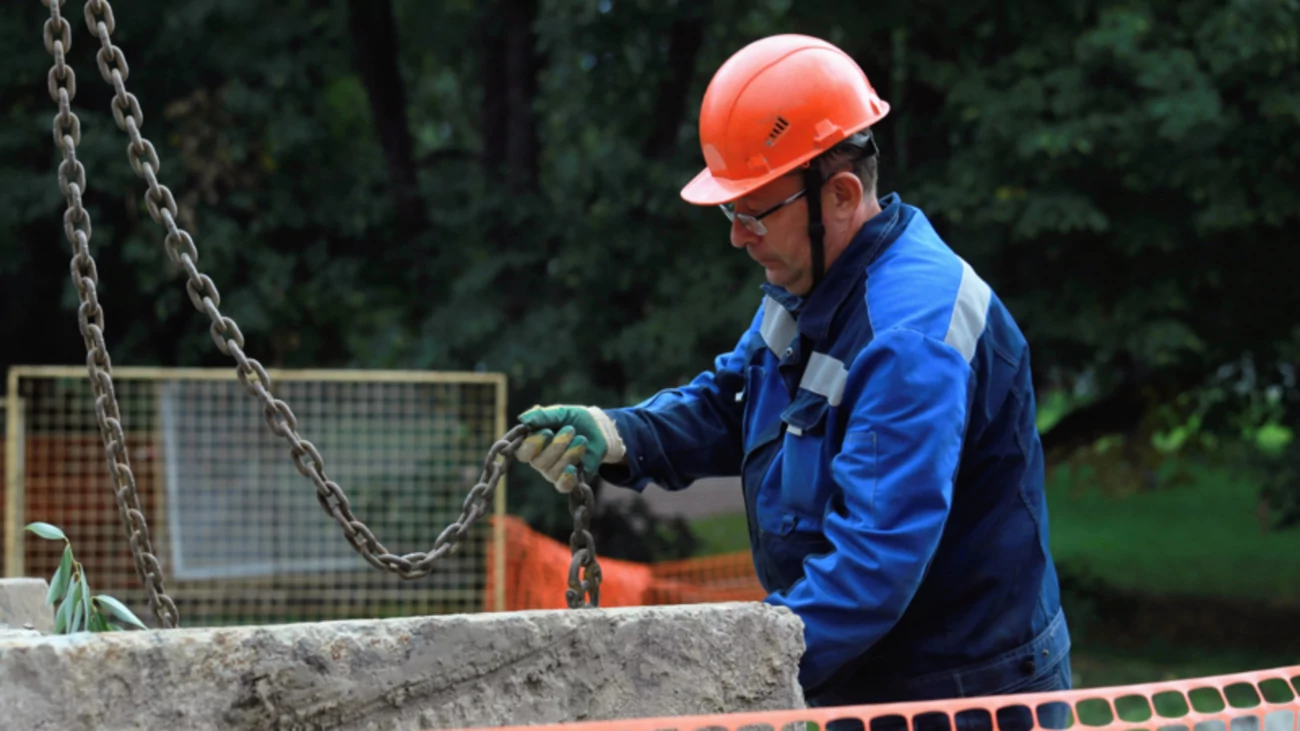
point(884, 432)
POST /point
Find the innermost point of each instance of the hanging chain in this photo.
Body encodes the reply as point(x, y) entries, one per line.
point(90, 317)
point(582, 503)
point(229, 340)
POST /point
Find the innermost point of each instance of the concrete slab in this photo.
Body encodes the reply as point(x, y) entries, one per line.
point(411, 673)
point(22, 605)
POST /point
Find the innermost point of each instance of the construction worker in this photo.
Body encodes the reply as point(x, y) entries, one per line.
point(879, 409)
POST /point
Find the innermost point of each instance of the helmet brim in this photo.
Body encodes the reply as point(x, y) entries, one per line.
point(705, 189)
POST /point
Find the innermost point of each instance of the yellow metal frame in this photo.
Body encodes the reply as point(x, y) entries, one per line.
point(14, 494)
point(149, 373)
point(14, 433)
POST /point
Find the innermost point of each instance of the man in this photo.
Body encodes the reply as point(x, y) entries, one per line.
point(879, 409)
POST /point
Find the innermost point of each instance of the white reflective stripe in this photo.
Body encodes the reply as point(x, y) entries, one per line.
point(825, 376)
point(778, 327)
point(794, 430)
point(968, 313)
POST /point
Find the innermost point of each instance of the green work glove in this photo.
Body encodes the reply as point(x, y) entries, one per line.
point(563, 437)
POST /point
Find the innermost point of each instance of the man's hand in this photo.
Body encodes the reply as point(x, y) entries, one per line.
point(563, 436)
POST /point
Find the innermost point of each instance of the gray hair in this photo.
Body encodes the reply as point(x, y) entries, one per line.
point(853, 154)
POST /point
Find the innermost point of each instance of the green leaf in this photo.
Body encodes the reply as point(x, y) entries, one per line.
point(85, 595)
point(63, 616)
point(62, 576)
point(74, 596)
point(115, 627)
point(98, 623)
point(46, 531)
point(77, 614)
point(119, 610)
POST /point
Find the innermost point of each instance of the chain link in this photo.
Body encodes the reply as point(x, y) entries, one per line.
point(203, 294)
point(90, 317)
point(582, 503)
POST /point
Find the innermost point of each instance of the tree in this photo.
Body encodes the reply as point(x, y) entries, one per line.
point(494, 185)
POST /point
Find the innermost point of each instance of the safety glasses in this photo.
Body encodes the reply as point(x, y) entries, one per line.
point(754, 223)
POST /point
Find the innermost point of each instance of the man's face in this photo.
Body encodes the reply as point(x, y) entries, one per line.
point(783, 250)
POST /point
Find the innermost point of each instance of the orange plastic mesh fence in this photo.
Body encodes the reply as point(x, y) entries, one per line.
point(1265, 700)
point(537, 572)
point(728, 577)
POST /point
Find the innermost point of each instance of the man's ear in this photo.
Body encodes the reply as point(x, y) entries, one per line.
point(846, 193)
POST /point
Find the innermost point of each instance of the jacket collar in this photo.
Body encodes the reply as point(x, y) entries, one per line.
point(814, 312)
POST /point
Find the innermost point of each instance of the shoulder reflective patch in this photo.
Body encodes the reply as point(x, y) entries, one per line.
point(778, 327)
point(825, 376)
point(968, 313)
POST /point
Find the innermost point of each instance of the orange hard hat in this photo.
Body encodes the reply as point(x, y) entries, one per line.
point(774, 105)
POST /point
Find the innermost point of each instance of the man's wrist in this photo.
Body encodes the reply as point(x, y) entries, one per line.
point(615, 449)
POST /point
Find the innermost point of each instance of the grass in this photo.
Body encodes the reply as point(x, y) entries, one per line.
point(1097, 665)
point(1201, 539)
point(721, 534)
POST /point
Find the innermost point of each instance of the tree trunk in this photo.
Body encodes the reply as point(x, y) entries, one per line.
point(495, 112)
point(521, 65)
point(374, 46)
point(684, 43)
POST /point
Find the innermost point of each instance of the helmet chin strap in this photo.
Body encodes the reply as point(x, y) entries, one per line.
point(812, 181)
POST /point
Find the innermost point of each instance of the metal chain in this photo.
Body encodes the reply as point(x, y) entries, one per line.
point(90, 317)
point(280, 418)
point(582, 503)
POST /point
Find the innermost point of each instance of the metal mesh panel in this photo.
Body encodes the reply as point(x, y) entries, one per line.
point(238, 529)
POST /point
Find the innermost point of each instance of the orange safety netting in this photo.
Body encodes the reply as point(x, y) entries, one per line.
point(537, 575)
point(1254, 701)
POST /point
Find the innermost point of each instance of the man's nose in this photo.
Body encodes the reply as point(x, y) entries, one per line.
point(741, 236)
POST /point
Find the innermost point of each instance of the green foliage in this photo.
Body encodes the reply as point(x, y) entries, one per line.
point(79, 610)
point(1280, 493)
point(1124, 175)
point(1118, 173)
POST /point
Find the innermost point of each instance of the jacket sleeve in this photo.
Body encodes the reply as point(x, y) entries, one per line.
point(902, 445)
point(680, 435)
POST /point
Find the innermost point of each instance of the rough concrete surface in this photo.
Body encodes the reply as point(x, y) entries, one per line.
point(410, 673)
point(22, 606)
